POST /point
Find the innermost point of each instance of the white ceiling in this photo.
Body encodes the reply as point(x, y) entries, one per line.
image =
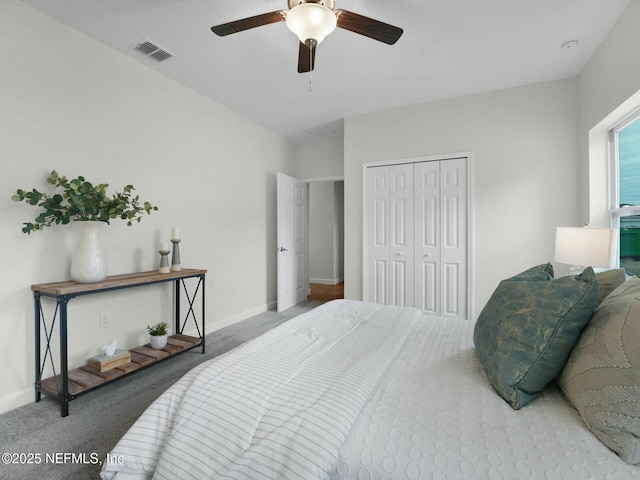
point(449, 48)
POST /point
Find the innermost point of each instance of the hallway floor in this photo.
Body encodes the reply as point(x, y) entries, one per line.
point(325, 293)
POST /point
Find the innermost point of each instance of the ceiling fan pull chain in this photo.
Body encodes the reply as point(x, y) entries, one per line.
point(310, 82)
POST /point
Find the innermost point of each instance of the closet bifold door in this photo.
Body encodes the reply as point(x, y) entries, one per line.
point(415, 236)
point(454, 237)
point(376, 234)
point(389, 235)
point(401, 254)
point(427, 237)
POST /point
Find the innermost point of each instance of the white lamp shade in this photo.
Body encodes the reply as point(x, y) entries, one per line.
point(311, 21)
point(586, 247)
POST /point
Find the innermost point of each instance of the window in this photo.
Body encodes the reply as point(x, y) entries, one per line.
point(625, 201)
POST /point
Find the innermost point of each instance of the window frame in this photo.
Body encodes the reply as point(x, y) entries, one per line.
point(615, 210)
point(614, 169)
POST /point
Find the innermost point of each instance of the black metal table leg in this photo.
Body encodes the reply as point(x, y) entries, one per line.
point(38, 307)
point(177, 306)
point(203, 323)
point(64, 360)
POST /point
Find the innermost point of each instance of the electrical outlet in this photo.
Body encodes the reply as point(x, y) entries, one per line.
point(103, 320)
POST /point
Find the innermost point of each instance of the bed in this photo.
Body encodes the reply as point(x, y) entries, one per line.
point(352, 390)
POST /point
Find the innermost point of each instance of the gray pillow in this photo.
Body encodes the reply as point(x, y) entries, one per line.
point(602, 377)
point(609, 280)
point(527, 330)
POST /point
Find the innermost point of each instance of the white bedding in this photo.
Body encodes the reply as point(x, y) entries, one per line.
point(279, 407)
point(437, 417)
point(356, 391)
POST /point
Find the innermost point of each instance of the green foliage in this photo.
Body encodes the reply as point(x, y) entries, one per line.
point(157, 330)
point(80, 200)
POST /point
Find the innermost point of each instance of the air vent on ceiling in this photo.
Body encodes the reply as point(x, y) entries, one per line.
point(153, 51)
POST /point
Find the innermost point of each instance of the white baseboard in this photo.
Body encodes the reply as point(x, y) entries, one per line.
point(326, 281)
point(225, 322)
point(17, 399)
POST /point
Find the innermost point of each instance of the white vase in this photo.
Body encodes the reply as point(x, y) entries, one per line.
point(88, 263)
point(158, 341)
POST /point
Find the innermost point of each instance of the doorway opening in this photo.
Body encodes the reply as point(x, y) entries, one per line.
point(309, 251)
point(326, 240)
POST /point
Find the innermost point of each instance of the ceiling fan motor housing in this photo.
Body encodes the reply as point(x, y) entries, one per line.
point(325, 3)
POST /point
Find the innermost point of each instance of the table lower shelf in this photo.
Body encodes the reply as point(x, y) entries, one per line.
point(85, 378)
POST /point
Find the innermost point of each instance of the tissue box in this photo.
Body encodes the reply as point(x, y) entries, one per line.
point(102, 363)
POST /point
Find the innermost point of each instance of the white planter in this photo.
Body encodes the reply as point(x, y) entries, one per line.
point(158, 341)
point(88, 263)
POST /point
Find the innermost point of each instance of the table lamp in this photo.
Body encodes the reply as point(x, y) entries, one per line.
point(582, 247)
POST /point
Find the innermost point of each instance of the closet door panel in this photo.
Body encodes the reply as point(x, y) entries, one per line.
point(450, 222)
point(380, 227)
point(428, 237)
point(401, 248)
point(377, 235)
point(399, 284)
point(450, 302)
point(379, 284)
point(453, 194)
point(427, 296)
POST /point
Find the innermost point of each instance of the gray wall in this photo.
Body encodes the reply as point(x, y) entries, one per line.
point(524, 170)
point(608, 91)
point(74, 105)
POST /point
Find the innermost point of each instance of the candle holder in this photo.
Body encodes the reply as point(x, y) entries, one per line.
point(175, 257)
point(164, 261)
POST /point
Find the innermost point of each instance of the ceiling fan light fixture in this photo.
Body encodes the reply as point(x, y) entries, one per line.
point(311, 22)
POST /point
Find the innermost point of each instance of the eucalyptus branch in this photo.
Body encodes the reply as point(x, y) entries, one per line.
point(80, 200)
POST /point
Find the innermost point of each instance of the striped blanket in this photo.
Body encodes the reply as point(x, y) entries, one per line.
point(280, 406)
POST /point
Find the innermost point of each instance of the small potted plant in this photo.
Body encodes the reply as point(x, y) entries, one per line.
point(158, 334)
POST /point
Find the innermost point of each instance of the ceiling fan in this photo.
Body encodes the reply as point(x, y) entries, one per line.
point(312, 21)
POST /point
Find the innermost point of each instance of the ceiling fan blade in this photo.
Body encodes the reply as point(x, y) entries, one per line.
point(249, 22)
point(383, 32)
point(306, 58)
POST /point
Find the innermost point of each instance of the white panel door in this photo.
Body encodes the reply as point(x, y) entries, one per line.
point(427, 237)
point(292, 241)
point(454, 237)
point(416, 236)
point(401, 238)
point(376, 261)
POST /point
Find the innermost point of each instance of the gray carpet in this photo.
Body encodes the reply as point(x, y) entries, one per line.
point(98, 419)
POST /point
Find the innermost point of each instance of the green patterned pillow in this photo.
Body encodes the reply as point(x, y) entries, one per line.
point(539, 272)
point(602, 377)
point(527, 330)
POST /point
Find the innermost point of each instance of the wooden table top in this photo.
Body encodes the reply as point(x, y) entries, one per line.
point(70, 287)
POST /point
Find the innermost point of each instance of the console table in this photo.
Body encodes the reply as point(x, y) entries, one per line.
point(69, 384)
